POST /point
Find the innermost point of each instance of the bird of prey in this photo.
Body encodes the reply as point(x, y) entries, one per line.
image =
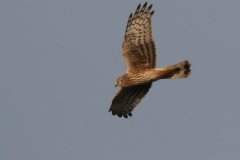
point(139, 53)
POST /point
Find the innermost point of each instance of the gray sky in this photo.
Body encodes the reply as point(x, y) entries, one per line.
point(59, 61)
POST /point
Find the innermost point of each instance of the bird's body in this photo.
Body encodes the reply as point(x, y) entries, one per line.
point(148, 75)
point(139, 53)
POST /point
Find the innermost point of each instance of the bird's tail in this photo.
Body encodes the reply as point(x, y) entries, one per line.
point(180, 70)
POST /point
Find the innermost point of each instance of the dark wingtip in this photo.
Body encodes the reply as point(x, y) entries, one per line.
point(150, 7)
point(145, 4)
point(130, 114)
point(152, 12)
point(119, 115)
point(130, 15)
point(139, 6)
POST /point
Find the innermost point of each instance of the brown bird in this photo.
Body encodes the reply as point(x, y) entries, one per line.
point(139, 53)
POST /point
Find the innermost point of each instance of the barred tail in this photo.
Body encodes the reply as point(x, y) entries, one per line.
point(180, 70)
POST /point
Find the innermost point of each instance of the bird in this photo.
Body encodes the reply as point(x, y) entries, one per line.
point(140, 55)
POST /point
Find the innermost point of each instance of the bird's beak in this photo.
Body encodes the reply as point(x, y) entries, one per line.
point(115, 85)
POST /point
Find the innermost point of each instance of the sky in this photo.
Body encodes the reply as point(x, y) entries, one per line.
point(59, 61)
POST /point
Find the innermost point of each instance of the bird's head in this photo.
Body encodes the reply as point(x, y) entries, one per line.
point(119, 82)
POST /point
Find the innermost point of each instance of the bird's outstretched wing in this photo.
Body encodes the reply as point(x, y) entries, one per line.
point(127, 99)
point(139, 50)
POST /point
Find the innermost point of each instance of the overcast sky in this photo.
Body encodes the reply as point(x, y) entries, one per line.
point(59, 61)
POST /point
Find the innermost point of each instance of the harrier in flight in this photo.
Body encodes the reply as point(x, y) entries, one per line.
point(139, 53)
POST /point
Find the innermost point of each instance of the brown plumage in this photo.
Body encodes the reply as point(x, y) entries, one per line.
point(139, 53)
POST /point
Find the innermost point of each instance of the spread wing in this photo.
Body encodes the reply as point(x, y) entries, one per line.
point(139, 50)
point(127, 99)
